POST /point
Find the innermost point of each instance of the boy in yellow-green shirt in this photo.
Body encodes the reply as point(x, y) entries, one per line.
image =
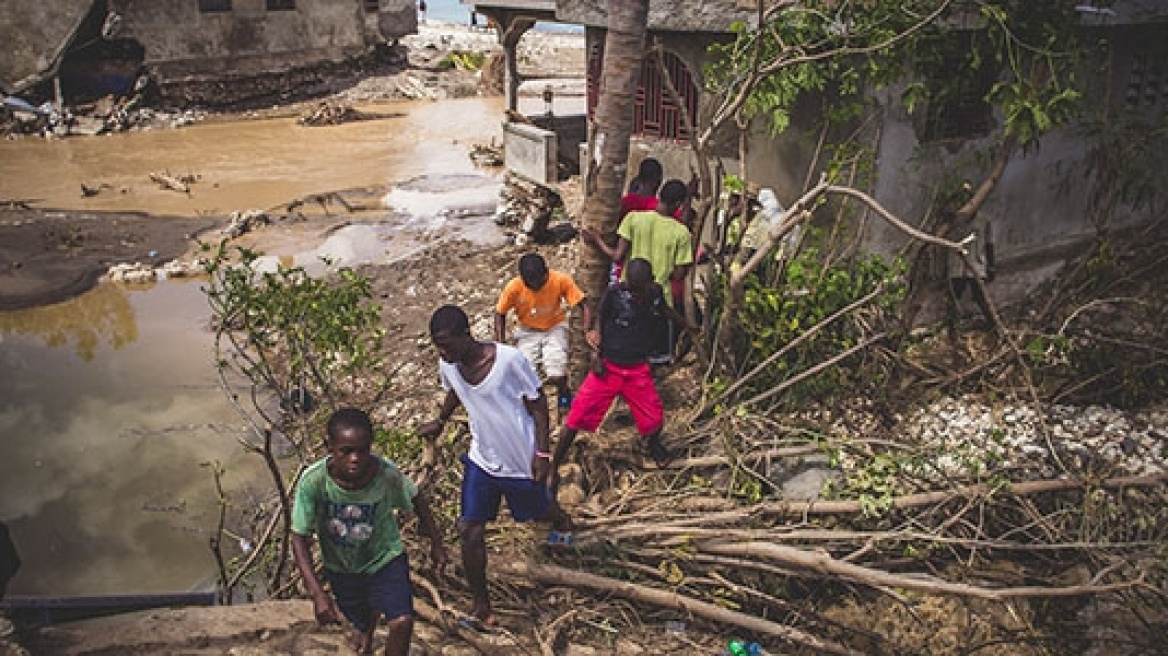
point(661, 240)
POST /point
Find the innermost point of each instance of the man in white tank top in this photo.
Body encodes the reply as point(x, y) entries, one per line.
point(509, 452)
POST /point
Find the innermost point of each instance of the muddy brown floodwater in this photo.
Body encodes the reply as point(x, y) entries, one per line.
point(108, 402)
point(249, 164)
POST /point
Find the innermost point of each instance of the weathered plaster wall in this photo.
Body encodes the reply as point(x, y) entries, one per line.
point(32, 35)
point(675, 156)
point(181, 41)
point(395, 19)
point(530, 151)
point(1040, 210)
point(666, 15)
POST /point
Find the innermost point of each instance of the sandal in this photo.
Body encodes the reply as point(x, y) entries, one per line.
point(478, 626)
point(559, 539)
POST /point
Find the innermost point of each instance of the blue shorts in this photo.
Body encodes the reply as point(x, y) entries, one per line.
point(387, 591)
point(482, 492)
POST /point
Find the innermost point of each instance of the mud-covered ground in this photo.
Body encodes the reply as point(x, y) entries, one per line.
point(48, 254)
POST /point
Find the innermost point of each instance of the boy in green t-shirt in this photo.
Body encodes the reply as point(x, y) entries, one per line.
point(348, 499)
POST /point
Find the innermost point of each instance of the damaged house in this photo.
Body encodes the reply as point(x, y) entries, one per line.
point(83, 49)
point(1043, 208)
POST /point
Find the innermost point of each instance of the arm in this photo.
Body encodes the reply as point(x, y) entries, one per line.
point(679, 272)
point(587, 319)
point(432, 429)
point(615, 253)
point(538, 410)
point(323, 604)
point(675, 317)
point(425, 514)
point(500, 327)
point(596, 320)
point(621, 251)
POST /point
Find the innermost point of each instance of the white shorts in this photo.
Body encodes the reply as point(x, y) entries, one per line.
point(548, 349)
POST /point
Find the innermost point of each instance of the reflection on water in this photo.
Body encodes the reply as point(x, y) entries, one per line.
point(103, 316)
point(103, 428)
point(108, 403)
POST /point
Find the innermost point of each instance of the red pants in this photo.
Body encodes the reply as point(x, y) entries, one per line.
point(596, 394)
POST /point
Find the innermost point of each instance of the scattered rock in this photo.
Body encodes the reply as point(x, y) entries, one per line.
point(131, 274)
point(331, 113)
point(245, 221)
point(183, 269)
point(528, 206)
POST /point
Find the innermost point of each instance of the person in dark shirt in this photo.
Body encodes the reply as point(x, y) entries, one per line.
point(624, 333)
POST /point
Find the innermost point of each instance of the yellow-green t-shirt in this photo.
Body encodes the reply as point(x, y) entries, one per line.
point(662, 240)
point(356, 528)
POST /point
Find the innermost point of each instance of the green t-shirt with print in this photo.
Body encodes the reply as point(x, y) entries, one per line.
point(661, 240)
point(357, 530)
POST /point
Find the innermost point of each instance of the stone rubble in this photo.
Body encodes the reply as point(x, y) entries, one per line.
point(968, 439)
point(526, 206)
point(131, 274)
point(244, 221)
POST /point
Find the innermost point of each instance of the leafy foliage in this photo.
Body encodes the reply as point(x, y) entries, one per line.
point(297, 348)
point(813, 47)
point(789, 298)
point(462, 60)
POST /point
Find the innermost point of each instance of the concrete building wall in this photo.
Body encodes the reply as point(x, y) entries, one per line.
point(530, 151)
point(33, 34)
point(666, 15)
point(180, 40)
point(1041, 208)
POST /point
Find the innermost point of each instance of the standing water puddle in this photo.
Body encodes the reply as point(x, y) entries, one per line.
point(109, 402)
point(420, 213)
point(108, 405)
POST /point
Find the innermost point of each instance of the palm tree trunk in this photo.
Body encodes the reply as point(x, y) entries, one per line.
point(608, 155)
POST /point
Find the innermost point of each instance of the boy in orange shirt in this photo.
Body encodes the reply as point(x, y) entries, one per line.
point(540, 298)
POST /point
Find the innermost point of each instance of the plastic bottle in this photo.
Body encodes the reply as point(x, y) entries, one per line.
point(742, 648)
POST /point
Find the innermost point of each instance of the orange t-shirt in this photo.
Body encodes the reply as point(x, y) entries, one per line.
point(543, 309)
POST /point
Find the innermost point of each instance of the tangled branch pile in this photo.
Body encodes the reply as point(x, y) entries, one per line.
point(959, 509)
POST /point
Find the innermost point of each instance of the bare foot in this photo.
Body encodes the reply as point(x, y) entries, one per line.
point(362, 643)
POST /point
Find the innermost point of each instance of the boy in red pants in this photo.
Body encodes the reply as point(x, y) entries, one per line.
point(628, 321)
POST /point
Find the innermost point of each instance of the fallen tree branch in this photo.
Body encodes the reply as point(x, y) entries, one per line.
point(677, 536)
point(553, 575)
point(822, 563)
point(444, 617)
point(804, 336)
point(804, 508)
point(754, 456)
point(808, 373)
point(168, 181)
point(801, 509)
